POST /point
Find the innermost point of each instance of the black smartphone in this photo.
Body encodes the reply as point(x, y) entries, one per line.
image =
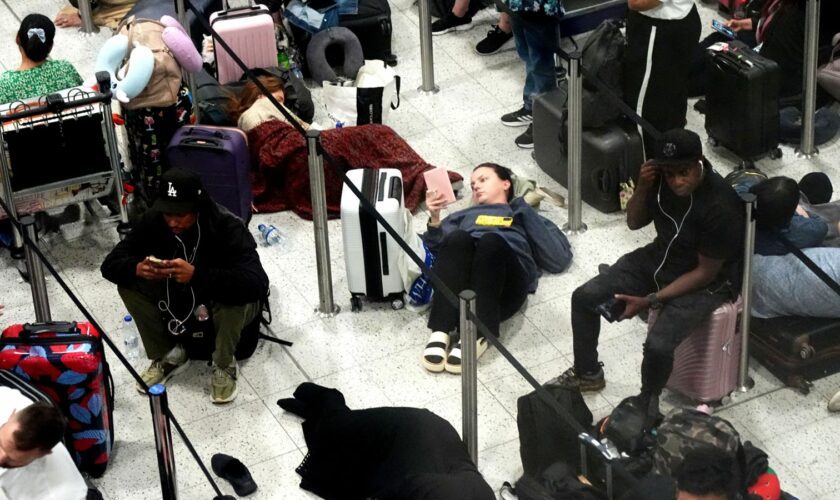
point(722, 28)
point(612, 309)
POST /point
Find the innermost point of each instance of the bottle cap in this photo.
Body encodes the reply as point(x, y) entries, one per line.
point(127, 317)
point(261, 227)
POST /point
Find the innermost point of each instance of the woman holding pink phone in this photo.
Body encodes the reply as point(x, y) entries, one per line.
point(497, 248)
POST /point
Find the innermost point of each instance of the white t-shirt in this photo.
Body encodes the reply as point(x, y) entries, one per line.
point(51, 477)
point(670, 10)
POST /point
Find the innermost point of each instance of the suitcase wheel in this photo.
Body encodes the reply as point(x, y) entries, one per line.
point(800, 384)
point(776, 153)
point(713, 142)
point(355, 303)
point(397, 304)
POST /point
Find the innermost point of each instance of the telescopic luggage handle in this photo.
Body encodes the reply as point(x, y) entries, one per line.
point(51, 326)
point(589, 441)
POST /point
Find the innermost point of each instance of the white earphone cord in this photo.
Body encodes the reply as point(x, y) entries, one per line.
point(175, 325)
point(678, 228)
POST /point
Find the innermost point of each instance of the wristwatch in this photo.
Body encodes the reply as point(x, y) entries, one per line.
point(654, 300)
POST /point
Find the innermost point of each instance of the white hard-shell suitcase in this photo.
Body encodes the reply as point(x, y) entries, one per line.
point(370, 253)
point(249, 31)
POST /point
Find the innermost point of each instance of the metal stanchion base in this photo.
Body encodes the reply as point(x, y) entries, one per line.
point(434, 90)
point(327, 314)
point(748, 385)
point(123, 228)
point(568, 231)
point(800, 154)
point(88, 34)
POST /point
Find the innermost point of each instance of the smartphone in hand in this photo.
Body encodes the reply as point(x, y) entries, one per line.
point(155, 262)
point(722, 28)
point(612, 309)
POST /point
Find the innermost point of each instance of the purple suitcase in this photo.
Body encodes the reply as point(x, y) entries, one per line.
point(706, 363)
point(219, 155)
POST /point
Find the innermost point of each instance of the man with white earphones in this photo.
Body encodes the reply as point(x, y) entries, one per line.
point(692, 266)
point(188, 257)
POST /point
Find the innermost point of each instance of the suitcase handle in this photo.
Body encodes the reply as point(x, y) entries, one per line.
point(200, 143)
point(52, 326)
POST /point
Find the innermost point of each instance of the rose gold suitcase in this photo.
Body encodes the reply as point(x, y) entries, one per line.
point(250, 33)
point(706, 363)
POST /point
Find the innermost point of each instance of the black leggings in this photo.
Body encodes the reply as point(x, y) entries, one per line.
point(487, 266)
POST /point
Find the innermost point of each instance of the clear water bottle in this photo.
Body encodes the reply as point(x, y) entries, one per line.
point(131, 337)
point(271, 235)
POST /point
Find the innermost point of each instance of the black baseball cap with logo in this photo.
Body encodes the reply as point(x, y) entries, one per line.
point(180, 192)
point(677, 147)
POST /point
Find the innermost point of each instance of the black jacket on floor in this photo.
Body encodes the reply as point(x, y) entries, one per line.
point(227, 266)
point(381, 453)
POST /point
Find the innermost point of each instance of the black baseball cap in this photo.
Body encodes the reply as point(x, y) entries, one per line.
point(677, 147)
point(180, 192)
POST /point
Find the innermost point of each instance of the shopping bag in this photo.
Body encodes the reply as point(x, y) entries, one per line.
point(369, 99)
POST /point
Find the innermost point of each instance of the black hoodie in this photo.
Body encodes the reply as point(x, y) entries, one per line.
point(227, 266)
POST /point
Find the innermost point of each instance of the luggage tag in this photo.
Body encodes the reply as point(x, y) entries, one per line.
point(493, 221)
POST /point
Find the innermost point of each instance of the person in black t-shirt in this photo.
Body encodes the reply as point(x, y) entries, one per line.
point(690, 269)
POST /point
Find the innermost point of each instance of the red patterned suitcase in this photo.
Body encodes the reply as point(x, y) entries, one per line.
point(706, 363)
point(66, 361)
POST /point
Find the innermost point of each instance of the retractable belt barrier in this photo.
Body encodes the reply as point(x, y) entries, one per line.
point(437, 283)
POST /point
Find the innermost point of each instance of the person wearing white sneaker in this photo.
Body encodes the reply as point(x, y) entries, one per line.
point(188, 257)
point(496, 248)
point(834, 404)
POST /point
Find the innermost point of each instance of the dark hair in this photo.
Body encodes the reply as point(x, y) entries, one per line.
point(776, 201)
point(817, 187)
point(30, 41)
point(706, 471)
point(503, 173)
point(41, 426)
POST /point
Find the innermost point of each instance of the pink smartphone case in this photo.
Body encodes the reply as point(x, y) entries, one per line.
point(437, 179)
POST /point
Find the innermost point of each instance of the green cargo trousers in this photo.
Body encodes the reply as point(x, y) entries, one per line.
point(141, 301)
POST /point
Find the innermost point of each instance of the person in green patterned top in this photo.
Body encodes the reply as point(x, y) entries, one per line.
point(36, 75)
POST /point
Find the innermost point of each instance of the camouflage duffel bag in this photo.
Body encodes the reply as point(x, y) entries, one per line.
point(685, 430)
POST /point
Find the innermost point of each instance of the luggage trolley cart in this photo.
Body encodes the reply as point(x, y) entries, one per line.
point(59, 150)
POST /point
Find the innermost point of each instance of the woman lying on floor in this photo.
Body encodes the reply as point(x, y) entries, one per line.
point(496, 248)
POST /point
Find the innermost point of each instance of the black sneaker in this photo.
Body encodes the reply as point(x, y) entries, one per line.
point(451, 23)
point(585, 383)
point(700, 106)
point(493, 42)
point(526, 139)
point(519, 118)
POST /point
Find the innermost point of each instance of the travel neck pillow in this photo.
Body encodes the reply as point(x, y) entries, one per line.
point(316, 55)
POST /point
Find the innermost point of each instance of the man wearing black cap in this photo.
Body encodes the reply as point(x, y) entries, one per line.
point(691, 267)
point(188, 256)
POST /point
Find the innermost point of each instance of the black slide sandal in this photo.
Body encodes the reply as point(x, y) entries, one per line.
point(235, 472)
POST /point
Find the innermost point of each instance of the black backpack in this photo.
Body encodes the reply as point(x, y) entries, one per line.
point(558, 482)
point(544, 437)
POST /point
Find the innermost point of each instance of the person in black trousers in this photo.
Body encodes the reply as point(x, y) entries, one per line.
point(660, 36)
point(690, 269)
point(495, 248)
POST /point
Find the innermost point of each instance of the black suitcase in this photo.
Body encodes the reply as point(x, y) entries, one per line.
point(797, 350)
point(609, 156)
point(372, 25)
point(742, 102)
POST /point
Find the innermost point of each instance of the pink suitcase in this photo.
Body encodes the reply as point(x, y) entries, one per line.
point(249, 31)
point(706, 363)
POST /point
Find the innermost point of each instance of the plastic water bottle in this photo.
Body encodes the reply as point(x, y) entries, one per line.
point(271, 235)
point(131, 337)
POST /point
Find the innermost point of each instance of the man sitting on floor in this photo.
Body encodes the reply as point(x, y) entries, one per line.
point(188, 256)
point(691, 268)
point(34, 464)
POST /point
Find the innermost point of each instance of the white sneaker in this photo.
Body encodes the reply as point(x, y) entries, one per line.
point(834, 404)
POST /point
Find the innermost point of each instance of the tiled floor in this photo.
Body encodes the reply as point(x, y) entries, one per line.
point(373, 356)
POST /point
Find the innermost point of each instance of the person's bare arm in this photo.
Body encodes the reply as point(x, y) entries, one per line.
point(705, 272)
point(643, 5)
point(637, 212)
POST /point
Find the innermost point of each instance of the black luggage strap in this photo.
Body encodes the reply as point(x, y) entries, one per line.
point(810, 264)
point(617, 101)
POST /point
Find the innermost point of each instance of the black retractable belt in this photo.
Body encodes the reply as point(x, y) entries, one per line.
point(810, 264)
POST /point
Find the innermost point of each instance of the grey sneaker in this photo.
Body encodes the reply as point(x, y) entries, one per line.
point(223, 384)
point(160, 371)
point(584, 382)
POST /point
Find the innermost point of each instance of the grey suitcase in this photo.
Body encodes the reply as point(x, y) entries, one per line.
point(610, 155)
